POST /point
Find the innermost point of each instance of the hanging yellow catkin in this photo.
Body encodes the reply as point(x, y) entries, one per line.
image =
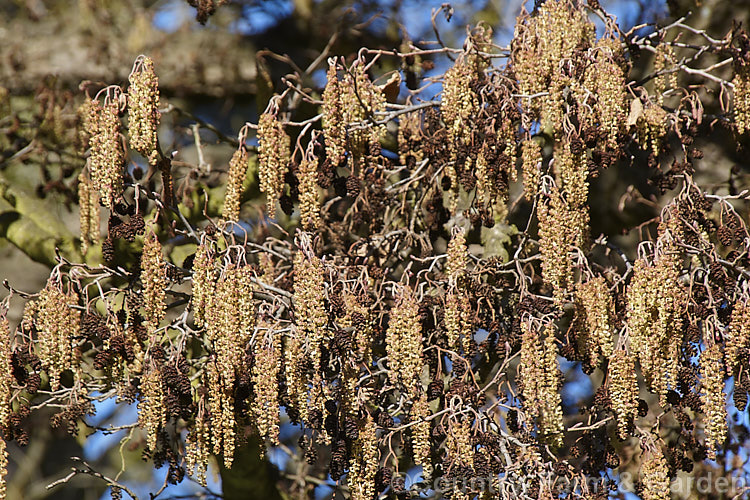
point(539, 378)
point(403, 340)
point(152, 415)
point(107, 157)
point(3, 469)
point(654, 298)
point(741, 101)
point(334, 126)
point(5, 395)
point(5, 367)
point(88, 204)
point(267, 351)
point(655, 475)
point(143, 108)
point(364, 464)
point(58, 325)
point(273, 158)
point(531, 157)
point(713, 399)
point(309, 197)
point(204, 282)
point(153, 277)
point(198, 445)
point(420, 435)
point(594, 319)
point(230, 212)
point(623, 389)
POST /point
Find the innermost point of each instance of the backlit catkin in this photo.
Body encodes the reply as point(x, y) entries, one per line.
point(457, 307)
point(88, 203)
point(420, 435)
point(741, 101)
point(594, 318)
point(204, 282)
point(541, 45)
point(654, 304)
point(107, 155)
point(664, 66)
point(58, 325)
point(713, 399)
point(655, 475)
point(230, 212)
point(267, 351)
point(652, 127)
point(623, 389)
point(152, 415)
point(531, 167)
point(361, 101)
point(310, 312)
point(309, 197)
point(560, 227)
point(539, 379)
point(364, 463)
point(198, 444)
point(6, 368)
point(273, 158)
point(143, 108)
point(334, 126)
point(153, 277)
point(403, 340)
point(605, 81)
point(459, 104)
point(221, 408)
point(3, 469)
point(230, 325)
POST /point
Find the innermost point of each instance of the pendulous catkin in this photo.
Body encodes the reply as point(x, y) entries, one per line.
point(107, 158)
point(623, 389)
point(58, 325)
point(238, 164)
point(267, 351)
point(539, 379)
point(143, 108)
point(5, 367)
point(273, 158)
point(364, 463)
point(403, 340)
point(741, 102)
point(153, 277)
point(713, 398)
point(654, 302)
point(152, 415)
point(88, 203)
point(655, 474)
point(309, 197)
point(420, 435)
point(204, 282)
point(594, 318)
point(198, 444)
